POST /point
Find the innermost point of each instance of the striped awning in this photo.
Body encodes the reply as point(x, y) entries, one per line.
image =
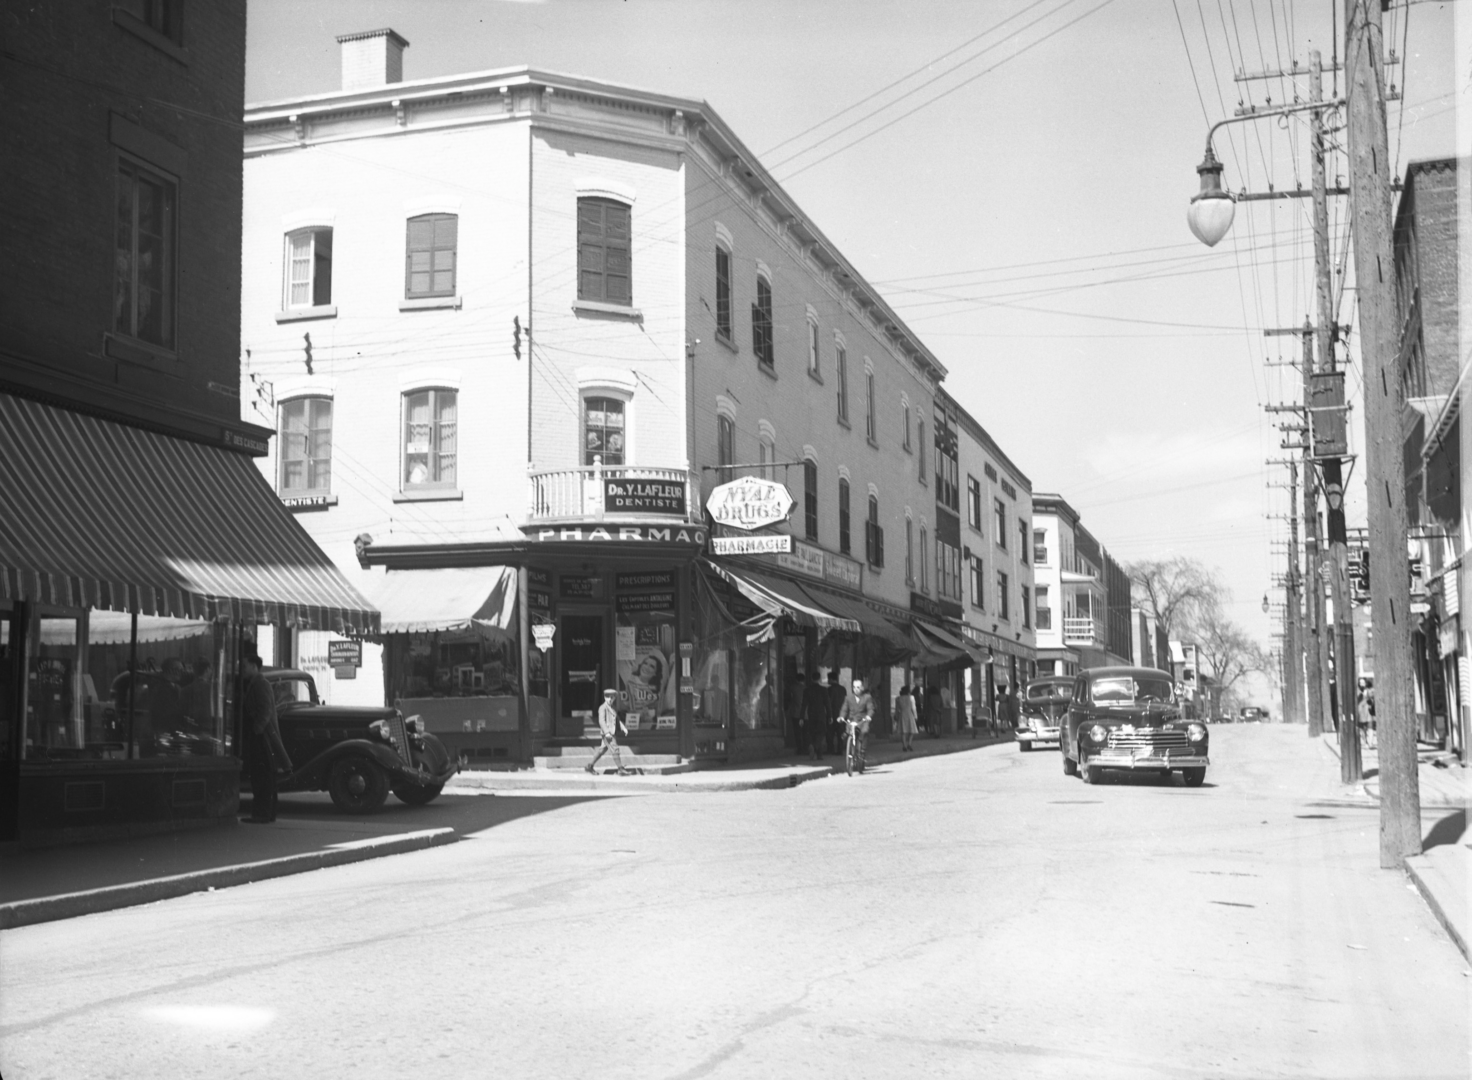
point(447, 598)
point(98, 514)
point(779, 598)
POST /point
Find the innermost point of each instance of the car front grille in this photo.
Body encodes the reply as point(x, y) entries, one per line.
point(401, 736)
point(1147, 740)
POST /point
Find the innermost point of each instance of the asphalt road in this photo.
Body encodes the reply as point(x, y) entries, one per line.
point(975, 915)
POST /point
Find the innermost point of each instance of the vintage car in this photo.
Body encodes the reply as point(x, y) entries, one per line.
point(1044, 702)
point(1129, 718)
point(357, 755)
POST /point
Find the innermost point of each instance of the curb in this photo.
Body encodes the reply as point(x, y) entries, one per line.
point(70, 905)
point(1436, 909)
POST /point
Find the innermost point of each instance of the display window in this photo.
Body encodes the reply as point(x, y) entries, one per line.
point(476, 661)
point(107, 685)
point(646, 670)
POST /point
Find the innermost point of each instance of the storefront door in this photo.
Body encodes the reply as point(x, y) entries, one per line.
point(583, 673)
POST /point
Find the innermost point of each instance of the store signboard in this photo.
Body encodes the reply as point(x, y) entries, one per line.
point(844, 571)
point(803, 559)
point(625, 496)
point(750, 545)
point(749, 503)
point(345, 654)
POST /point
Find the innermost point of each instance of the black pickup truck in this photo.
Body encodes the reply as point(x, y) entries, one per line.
point(357, 755)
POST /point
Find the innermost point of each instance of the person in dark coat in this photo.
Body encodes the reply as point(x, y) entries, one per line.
point(932, 711)
point(793, 708)
point(265, 743)
point(816, 717)
point(837, 696)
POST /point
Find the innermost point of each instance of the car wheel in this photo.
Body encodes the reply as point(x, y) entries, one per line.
point(1193, 777)
point(1070, 767)
point(416, 794)
point(357, 785)
point(1024, 745)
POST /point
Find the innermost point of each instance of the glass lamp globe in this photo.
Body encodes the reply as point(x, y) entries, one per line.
point(1212, 209)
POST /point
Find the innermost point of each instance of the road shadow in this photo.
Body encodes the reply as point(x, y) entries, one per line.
point(1448, 830)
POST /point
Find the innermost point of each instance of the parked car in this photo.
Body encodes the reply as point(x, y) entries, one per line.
point(1044, 703)
point(1129, 718)
point(356, 754)
point(1252, 714)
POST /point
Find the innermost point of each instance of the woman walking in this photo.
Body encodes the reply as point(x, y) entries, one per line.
point(905, 709)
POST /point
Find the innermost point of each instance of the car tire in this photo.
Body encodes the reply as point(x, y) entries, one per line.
point(1193, 777)
point(416, 794)
point(1024, 745)
point(357, 785)
point(1070, 767)
point(1090, 773)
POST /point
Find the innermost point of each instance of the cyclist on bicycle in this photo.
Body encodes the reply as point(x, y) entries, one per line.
point(860, 709)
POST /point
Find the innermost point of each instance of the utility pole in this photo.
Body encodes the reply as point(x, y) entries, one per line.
point(1330, 466)
point(1292, 641)
point(1374, 270)
point(1318, 642)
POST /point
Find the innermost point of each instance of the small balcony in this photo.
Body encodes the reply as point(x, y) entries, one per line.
point(1081, 632)
point(613, 493)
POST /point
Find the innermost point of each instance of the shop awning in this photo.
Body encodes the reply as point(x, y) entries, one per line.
point(778, 598)
point(870, 621)
point(422, 601)
point(938, 637)
point(98, 514)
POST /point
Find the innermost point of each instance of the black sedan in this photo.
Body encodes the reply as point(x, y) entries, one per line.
point(1128, 718)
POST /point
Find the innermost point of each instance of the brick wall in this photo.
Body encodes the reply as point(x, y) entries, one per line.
point(76, 68)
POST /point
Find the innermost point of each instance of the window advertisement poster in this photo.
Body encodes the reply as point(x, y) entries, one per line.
point(646, 670)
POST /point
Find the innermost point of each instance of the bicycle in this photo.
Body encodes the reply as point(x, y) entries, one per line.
point(853, 750)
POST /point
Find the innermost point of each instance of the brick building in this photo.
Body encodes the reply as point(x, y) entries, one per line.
point(139, 546)
point(514, 328)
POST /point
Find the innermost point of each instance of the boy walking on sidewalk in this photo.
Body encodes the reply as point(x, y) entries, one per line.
point(608, 726)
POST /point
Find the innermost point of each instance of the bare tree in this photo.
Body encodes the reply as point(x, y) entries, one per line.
point(1174, 590)
point(1227, 649)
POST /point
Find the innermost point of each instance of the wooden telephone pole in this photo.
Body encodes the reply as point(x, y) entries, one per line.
point(1374, 275)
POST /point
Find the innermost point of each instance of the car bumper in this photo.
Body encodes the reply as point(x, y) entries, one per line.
point(1151, 759)
point(1045, 735)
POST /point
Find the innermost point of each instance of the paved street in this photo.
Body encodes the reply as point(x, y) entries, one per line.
point(977, 914)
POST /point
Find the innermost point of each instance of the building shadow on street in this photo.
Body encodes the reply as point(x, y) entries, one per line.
point(1448, 830)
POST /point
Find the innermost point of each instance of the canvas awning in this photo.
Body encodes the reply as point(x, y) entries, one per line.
point(454, 598)
point(779, 598)
point(102, 515)
point(870, 621)
point(939, 638)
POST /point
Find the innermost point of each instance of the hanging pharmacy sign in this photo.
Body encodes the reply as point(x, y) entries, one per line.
point(749, 503)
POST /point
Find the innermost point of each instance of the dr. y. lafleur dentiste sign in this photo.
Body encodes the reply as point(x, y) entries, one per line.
point(749, 503)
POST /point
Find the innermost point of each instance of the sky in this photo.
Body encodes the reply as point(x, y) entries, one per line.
point(1013, 176)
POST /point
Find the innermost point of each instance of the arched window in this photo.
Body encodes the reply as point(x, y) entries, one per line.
point(761, 324)
point(725, 444)
point(909, 552)
point(603, 430)
point(844, 518)
point(874, 535)
point(605, 262)
point(924, 560)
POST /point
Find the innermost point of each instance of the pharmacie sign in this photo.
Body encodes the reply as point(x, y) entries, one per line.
point(749, 503)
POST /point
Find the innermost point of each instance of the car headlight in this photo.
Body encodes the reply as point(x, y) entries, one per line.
point(1196, 732)
point(414, 725)
point(382, 730)
point(1099, 733)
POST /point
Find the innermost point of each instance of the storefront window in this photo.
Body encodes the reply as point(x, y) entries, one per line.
point(477, 661)
point(646, 670)
point(756, 690)
point(97, 692)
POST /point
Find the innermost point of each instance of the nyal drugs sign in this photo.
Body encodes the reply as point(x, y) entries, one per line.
point(749, 503)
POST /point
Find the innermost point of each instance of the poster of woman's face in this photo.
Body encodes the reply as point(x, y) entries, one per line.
point(646, 651)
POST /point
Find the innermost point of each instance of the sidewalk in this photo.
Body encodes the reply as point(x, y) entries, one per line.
point(1442, 872)
point(782, 772)
point(60, 883)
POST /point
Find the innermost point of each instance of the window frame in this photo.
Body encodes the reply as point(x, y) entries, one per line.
point(845, 516)
point(874, 536)
point(973, 502)
point(999, 517)
point(922, 456)
point(127, 176)
point(810, 498)
point(623, 410)
point(319, 292)
point(909, 551)
point(841, 366)
point(1024, 532)
point(924, 560)
point(1003, 607)
point(815, 359)
point(434, 453)
point(763, 331)
point(725, 325)
point(605, 244)
point(978, 583)
point(283, 445)
point(433, 219)
point(725, 443)
point(871, 425)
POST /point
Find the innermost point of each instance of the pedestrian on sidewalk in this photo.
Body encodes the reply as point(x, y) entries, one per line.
point(267, 751)
point(816, 717)
point(1364, 711)
point(609, 727)
point(932, 711)
point(905, 713)
point(796, 696)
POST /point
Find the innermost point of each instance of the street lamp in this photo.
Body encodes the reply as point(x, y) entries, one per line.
point(1264, 603)
point(1212, 209)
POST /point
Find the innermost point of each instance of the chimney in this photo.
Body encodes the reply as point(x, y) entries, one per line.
point(372, 58)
